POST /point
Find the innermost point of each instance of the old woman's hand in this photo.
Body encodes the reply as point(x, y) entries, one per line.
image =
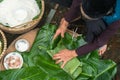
point(62, 28)
point(64, 56)
point(102, 49)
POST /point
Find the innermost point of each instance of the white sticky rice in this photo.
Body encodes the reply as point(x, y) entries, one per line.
point(16, 12)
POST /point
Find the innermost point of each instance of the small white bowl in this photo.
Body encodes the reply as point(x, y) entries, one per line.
point(22, 45)
point(13, 60)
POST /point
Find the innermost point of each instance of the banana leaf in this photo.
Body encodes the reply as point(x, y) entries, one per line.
point(69, 67)
point(38, 63)
point(1, 0)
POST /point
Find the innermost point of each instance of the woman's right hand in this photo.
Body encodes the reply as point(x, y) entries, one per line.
point(62, 28)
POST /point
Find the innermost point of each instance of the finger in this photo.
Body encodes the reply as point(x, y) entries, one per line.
point(58, 61)
point(55, 57)
point(100, 52)
point(57, 54)
point(62, 34)
point(103, 51)
point(62, 66)
point(55, 36)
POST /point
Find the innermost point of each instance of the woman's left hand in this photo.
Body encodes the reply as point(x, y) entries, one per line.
point(64, 56)
point(102, 49)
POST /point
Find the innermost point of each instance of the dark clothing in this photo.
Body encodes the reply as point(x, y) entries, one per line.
point(65, 3)
point(101, 40)
point(94, 29)
point(74, 11)
point(97, 30)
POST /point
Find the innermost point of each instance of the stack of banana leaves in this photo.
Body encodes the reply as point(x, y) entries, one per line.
point(39, 65)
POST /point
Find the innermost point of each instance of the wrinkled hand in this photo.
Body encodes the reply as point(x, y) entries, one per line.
point(102, 49)
point(64, 56)
point(62, 28)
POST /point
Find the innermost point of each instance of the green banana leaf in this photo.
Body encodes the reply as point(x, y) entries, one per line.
point(1, 0)
point(94, 68)
point(69, 67)
point(38, 63)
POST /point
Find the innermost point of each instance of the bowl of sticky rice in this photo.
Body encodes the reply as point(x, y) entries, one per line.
point(19, 16)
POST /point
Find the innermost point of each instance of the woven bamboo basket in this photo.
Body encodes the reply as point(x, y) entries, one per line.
point(4, 44)
point(26, 26)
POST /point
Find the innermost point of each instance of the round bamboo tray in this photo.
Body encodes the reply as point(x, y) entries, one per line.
point(4, 44)
point(26, 26)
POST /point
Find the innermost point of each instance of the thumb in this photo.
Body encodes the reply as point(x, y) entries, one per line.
point(62, 34)
point(55, 36)
point(62, 66)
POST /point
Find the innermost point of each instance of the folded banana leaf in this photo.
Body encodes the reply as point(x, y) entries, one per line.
point(38, 63)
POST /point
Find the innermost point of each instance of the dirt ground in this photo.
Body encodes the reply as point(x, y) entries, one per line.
point(113, 51)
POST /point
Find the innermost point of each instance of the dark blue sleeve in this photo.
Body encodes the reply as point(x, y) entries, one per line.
point(116, 16)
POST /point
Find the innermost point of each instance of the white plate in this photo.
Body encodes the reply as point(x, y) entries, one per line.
point(22, 45)
point(10, 61)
